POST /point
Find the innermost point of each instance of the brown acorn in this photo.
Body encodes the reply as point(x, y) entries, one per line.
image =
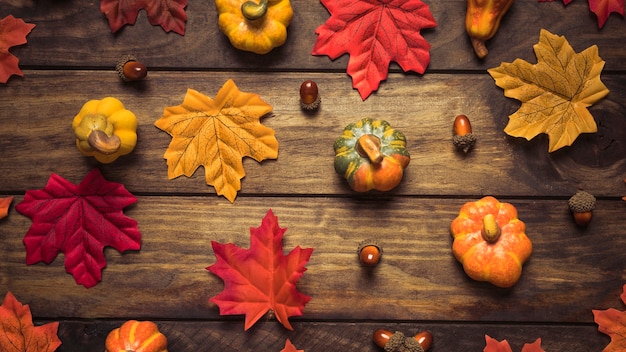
point(129, 69)
point(398, 342)
point(582, 204)
point(462, 136)
point(309, 96)
point(370, 252)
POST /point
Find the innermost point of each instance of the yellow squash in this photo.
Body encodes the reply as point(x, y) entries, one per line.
point(253, 26)
point(482, 20)
point(105, 130)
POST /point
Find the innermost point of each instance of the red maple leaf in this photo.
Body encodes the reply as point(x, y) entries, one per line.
point(261, 278)
point(494, 345)
point(374, 33)
point(169, 14)
point(602, 8)
point(79, 220)
point(17, 332)
point(613, 323)
point(289, 347)
point(13, 31)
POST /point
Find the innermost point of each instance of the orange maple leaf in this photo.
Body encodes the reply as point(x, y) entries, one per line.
point(289, 347)
point(262, 277)
point(4, 206)
point(555, 92)
point(613, 323)
point(217, 134)
point(18, 334)
point(13, 31)
point(494, 345)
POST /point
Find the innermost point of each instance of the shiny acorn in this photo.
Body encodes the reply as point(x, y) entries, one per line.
point(582, 204)
point(129, 69)
point(398, 342)
point(369, 252)
point(309, 96)
point(462, 136)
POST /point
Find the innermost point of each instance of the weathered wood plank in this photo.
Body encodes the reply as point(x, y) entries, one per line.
point(334, 337)
point(69, 34)
point(36, 138)
point(570, 272)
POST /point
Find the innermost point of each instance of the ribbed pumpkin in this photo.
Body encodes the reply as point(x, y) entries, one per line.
point(136, 336)
point(371, 154)
point(490, 241)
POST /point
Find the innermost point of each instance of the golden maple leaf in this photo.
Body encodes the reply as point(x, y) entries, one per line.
point(555, 92)
point(217, 134)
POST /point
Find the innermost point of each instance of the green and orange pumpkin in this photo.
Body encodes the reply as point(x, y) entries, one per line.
point(371, 155)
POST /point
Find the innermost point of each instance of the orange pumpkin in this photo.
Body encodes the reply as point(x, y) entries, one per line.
point(136, 336)
point(490, 241)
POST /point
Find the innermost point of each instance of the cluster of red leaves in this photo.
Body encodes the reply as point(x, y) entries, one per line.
point(169, 14)
point(262, 277)
point(613, 323)
point(17, 332)
point(13, 31)
point(602, 8)
point(79, 220)
point(494, 345)
point(374, 33)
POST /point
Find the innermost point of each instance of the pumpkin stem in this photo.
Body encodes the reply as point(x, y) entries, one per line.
point(491, 231)
point(253, 11)
point(368, 146)
point(99, 141)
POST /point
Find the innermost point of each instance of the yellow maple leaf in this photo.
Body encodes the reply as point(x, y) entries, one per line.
point(555, 92)
point(217, 134)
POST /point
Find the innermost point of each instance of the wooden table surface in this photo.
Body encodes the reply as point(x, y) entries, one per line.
point(70, 58)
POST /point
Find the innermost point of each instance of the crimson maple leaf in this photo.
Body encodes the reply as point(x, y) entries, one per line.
point(613, 323)
point(289, 347)
point(169, 14)
point(17, 332)
point(262, 277)
point(494, 345)
point(602, 8)
point(79, 220)
point(374, 33)
point(13, 31)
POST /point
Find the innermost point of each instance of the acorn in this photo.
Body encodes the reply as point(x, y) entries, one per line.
point(462, 136)
point(129, 69)
point(369, 252)
point(582, 204)
point(397, 342)
point(309, 96)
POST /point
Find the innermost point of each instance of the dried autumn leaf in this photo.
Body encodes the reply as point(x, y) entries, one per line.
point(4, 206)
point(261, 278)
point(169, 14)
point(612, 322)
point(289, 347)
point(79, 220)
point(602, 8)
point(555, 92)
point(217, 134)
point(494, 345)
point(13, 31)
point(374, 33)
point(17, 332)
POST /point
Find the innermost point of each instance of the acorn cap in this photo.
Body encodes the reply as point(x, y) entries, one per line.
point(369, 242)
point(400, 343)
point(464, 142)
point(582, 202)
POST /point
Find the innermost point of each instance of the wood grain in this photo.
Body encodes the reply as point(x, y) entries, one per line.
point(70, 58)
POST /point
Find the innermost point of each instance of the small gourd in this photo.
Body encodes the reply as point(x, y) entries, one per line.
point(482, 21)
point(490, 241)
point(371, 155)
point(136, 336)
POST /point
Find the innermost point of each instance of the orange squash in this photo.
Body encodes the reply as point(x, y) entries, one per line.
point(136, 336)
point(490, 241)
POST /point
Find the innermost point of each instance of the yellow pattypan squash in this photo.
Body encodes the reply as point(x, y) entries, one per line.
point(256, 27)
point(105, 130)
